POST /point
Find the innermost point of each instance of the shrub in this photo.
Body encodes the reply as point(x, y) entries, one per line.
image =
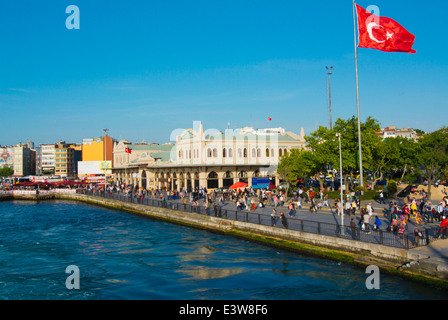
point(391, 187)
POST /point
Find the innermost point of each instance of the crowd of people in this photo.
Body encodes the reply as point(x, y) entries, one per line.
point(251, 199)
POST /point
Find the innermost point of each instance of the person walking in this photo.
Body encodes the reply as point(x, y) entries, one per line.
point(366, 220)
point(428, 210)
point(273, 217)
point(377, 223)
point(382, 197)
point(283, 220)
point(292, 210)
point(354, 229)
point(418, 236)
point(348, 208)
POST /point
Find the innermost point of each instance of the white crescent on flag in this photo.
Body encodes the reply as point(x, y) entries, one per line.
point(370, 26)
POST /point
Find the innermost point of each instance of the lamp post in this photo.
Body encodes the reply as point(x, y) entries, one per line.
point(105, 166)
point(341, 179)
point(330, 72)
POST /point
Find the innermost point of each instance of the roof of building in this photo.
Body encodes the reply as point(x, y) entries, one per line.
point(151, 147)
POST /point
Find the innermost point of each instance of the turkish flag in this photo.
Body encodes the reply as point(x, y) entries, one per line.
point(127, 150)
point(269, 119)
point(383, 33)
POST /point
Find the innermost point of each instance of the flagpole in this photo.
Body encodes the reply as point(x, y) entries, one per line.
point(361, 176)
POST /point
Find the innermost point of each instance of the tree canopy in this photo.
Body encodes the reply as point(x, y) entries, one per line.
point(382, 158)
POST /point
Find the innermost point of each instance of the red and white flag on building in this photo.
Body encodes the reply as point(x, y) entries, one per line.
point(382, 33)
point(127, 150)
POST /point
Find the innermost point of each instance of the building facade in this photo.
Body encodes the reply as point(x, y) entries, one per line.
point(210, 159)
point(97, 159)
point(24, 161)
point(48, 159)
point(7, 157)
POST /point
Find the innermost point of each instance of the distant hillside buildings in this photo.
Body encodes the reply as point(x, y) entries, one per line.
point(393, 132)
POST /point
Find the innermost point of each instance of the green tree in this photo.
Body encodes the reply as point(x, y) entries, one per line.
point(6, 172)
point(295, 164)
point(324, 145)
point(433, 156)
point(394, 154)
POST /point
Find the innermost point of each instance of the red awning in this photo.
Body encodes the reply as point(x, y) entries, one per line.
point(238, 185)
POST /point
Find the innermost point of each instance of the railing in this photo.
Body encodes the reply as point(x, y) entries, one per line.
point(391, 239)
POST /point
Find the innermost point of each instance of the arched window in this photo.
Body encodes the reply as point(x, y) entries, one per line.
point(245, 153)
point(267, 152)
point(230, 153)
point(213, 175)
point(240, 154)
point(259, 153)
point(272, 153)
point(279, 152)
point(228, 175)
point(254, 154)
point(180, 154)
point(242, 174)
point(209, 153)
point(189, 154)
point(215, 153)
point(224, 152)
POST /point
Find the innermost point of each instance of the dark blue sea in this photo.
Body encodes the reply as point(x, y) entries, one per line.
point(125, 256)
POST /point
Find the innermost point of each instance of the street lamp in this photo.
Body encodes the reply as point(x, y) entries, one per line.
point(341, 179)
point(105, 165)
point(330, 72)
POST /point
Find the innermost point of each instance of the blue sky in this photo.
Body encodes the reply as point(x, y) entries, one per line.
point(145, 68)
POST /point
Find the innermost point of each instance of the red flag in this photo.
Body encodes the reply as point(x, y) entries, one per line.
point(127, 150)
point(269, 119)
point(383, 33)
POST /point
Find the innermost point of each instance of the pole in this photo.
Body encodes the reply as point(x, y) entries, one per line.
point(329, 89)
point(341, 180)
point(361, 176)
point(105, 158)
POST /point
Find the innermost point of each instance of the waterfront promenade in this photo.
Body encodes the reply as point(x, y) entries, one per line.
point(324, 215)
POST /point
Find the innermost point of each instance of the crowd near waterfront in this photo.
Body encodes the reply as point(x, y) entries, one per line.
point(420, 218)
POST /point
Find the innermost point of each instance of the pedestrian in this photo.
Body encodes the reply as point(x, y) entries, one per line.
point(418, 236)
point(366, 221)
point(215, 209)
point(253, 206)
point(292, 210)
point(273, 217)
point(443, 228)
point(429, 215)
point(299, 202)
point(326, 204)
point(354, 229)
point(370, 209)
point(348, 208)
point(362, 213)
point(354, 207)
point(382, 197)
point(407, 211)
point(283, 220)
point(377, 223)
